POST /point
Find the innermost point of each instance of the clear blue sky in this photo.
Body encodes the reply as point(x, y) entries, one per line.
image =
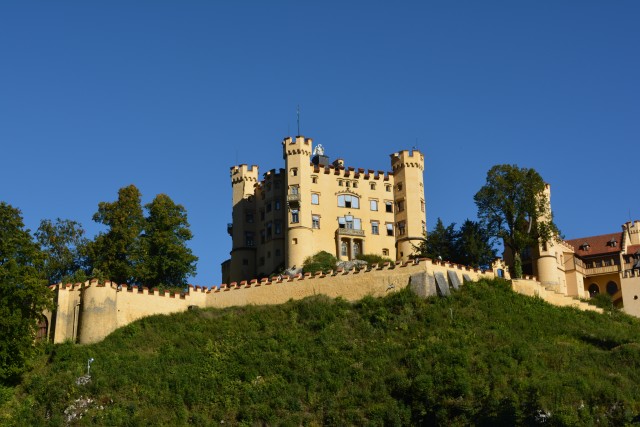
point(169, 95)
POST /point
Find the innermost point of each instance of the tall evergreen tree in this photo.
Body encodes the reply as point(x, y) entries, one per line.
point(116, 253)
point(473, 246)
point(64, 247)
point(23, 294)
point(440, 243)
point(166, 260)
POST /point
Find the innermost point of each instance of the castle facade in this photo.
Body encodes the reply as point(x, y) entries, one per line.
point(314, 205)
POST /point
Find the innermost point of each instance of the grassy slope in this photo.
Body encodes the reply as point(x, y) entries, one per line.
point(482, 356)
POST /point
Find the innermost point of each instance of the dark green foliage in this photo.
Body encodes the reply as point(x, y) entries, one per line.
point(23, 294)
point(484, 356)
point(166, 261)
point(372, 259)
point(116, 253)
point(471, 245)
point(64, 247)
point(322, 261)
point(513, 207)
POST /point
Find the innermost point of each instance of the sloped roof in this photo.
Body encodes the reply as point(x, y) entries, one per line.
point(598, 245)
point(632, 249)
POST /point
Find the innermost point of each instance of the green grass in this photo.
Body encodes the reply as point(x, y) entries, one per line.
point(485, 356)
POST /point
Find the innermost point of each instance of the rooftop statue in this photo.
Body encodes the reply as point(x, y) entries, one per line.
point(319, 150)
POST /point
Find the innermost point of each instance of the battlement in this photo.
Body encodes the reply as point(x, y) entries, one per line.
point(351, 172)
point(299, 145)
point(407, 159)
point(243, 172)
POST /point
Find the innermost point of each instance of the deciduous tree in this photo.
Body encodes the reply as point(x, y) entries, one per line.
point(514, 207)
point(23, 294)
point(166, 260)
point(116, 253)
point(64, 247)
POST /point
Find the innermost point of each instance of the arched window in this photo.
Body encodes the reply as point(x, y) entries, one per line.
point(594, 289)
point(343, 248)
point(612, 288)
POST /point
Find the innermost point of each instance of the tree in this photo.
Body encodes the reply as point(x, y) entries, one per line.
point(64, 247)
point(166, 260)
point(23, 294)
point(473, 246)
point(440, 243)
point(116, 253)
point(513, 206)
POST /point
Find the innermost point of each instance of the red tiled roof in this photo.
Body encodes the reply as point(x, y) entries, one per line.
point(598, 245)
point(633, 249)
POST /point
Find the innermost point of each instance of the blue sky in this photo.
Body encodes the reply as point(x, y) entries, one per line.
point(168, 96)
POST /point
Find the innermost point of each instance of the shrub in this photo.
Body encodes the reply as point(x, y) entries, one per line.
point(322, 261)
point(371, 259)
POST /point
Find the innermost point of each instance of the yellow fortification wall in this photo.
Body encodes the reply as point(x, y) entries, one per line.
point(88, 312)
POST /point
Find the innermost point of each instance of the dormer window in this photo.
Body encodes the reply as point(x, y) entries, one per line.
point(585, 246)
point(613, 243)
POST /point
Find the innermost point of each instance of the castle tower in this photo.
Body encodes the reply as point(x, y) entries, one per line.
point(410, 211)
point(547, 263)
point(299, 243)
point(242, 229)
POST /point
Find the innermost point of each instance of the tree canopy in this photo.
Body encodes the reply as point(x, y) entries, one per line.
point(115, 254)
point(470, 245)
point(64, 247)
point(23, 294)
point(166, 260)
point(513, 206)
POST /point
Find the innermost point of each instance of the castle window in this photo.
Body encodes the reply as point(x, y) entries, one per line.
point(294, 171)
point(388, 206)
point(245, 261)
point(375, 227)
point(340, 182)
point(385, 252)
point(294, 189)
point(387, 187)
point(347, 201)
point(372, 185)
point(294, 241)
point(402, 228)
point(314, 179)
point(269, 230)
point(399, 186)
point(262, 236)
point(355, 184)
point(343, 248)
point(424, 227)
point(278, 227)
point(248, 216)
point(315, 199)
point(269, 207)
point(277, 204)
point(295, 216)
point(315, 221)
point(373, 204)
point(389, 229)
point(347, 183)
point(248, 239)
point(422, 205)
point(349, 222)
point(400, 204)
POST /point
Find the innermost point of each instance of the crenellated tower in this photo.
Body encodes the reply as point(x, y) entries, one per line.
point(410, 209)
point(298, 235)
point(243, 227)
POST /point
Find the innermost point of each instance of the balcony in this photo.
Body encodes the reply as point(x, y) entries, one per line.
point(293, 200)
point(350, 232)
point(602, 270)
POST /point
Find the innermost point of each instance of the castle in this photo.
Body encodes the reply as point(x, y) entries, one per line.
point(313, 205)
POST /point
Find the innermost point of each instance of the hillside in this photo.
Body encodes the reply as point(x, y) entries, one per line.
point(483, 356)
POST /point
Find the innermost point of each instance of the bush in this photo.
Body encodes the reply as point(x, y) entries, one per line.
point(322, 261)
point(371, 259)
